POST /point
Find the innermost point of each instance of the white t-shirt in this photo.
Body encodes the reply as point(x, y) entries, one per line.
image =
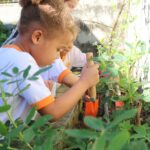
point(37, 94)
point(75, 58)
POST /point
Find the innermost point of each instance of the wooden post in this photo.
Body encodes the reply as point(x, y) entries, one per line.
point(92, 90)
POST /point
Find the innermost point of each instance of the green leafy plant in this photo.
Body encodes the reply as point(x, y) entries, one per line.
point(4, 32)
point(127, 127)
point(119, 134)
point(18, 134)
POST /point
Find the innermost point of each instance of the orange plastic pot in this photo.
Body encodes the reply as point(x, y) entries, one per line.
point(91, 108)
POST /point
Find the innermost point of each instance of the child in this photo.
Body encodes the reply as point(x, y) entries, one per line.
point(72, 57)
point(38, 45)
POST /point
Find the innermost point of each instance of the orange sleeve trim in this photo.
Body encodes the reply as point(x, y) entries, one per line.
point(63, 74)
point(44, 102)
point(13, 46)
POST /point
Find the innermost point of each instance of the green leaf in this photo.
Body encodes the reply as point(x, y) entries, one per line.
point(101, 58)
point(15, 70)
point(3, 128)
point(89, 146)
point(94, 123)
point(49, 136)
point(113, 71)
point(141, 130)
point(33, 78)
point(40, 122)
point(29, 134)
point(138, 145)
point(6, 94)
point(50, 132)
point(137, 136)
point(100, 143)
point(48, 144)
point(4, 108)
point(82, 133)
point(3, 95)
point(123, 82)
point(146, 95)
point(127, 114)
point(3, 81)
point(119, 140)
point(129, 45)
point(126, 125)
point(24, 89)
point(31, 115)
point(15, 132)
point(119, 58)
point(26, 72)
point(15, 81)
point(76, 143)
point(38, 148)
point(6, 74)
point(41, 70)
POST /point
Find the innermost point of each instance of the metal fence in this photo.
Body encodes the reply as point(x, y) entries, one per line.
point(8, 1)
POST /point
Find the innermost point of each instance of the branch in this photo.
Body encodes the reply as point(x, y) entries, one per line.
point(115, 26)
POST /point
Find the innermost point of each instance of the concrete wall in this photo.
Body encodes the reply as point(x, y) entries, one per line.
point(100, 17)
point(97, 19)
point(9, 13)
point(140, 29)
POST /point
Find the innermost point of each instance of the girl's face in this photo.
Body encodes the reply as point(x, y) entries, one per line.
point(49, 49)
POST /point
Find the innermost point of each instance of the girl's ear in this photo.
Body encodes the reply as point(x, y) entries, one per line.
point(37, 36)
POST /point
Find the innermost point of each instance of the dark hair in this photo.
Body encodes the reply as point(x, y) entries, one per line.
point(49, 14)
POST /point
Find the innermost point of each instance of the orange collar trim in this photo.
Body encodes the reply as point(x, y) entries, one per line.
point(13, 46)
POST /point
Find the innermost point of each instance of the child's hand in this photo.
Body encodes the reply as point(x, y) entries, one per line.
point(49, 84)
point(90, 75)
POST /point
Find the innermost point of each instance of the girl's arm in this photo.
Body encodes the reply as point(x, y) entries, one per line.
point(70, 79)
point(69, 99)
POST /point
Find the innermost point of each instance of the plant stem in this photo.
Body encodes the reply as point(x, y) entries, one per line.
point(115, 26)
point(11, 148)
point(11, 118)
point(15, 125)
point(139, 108)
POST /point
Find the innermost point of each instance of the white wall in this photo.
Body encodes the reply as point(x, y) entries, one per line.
point(9, 13)
point(140, 29)
point(99, 15)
